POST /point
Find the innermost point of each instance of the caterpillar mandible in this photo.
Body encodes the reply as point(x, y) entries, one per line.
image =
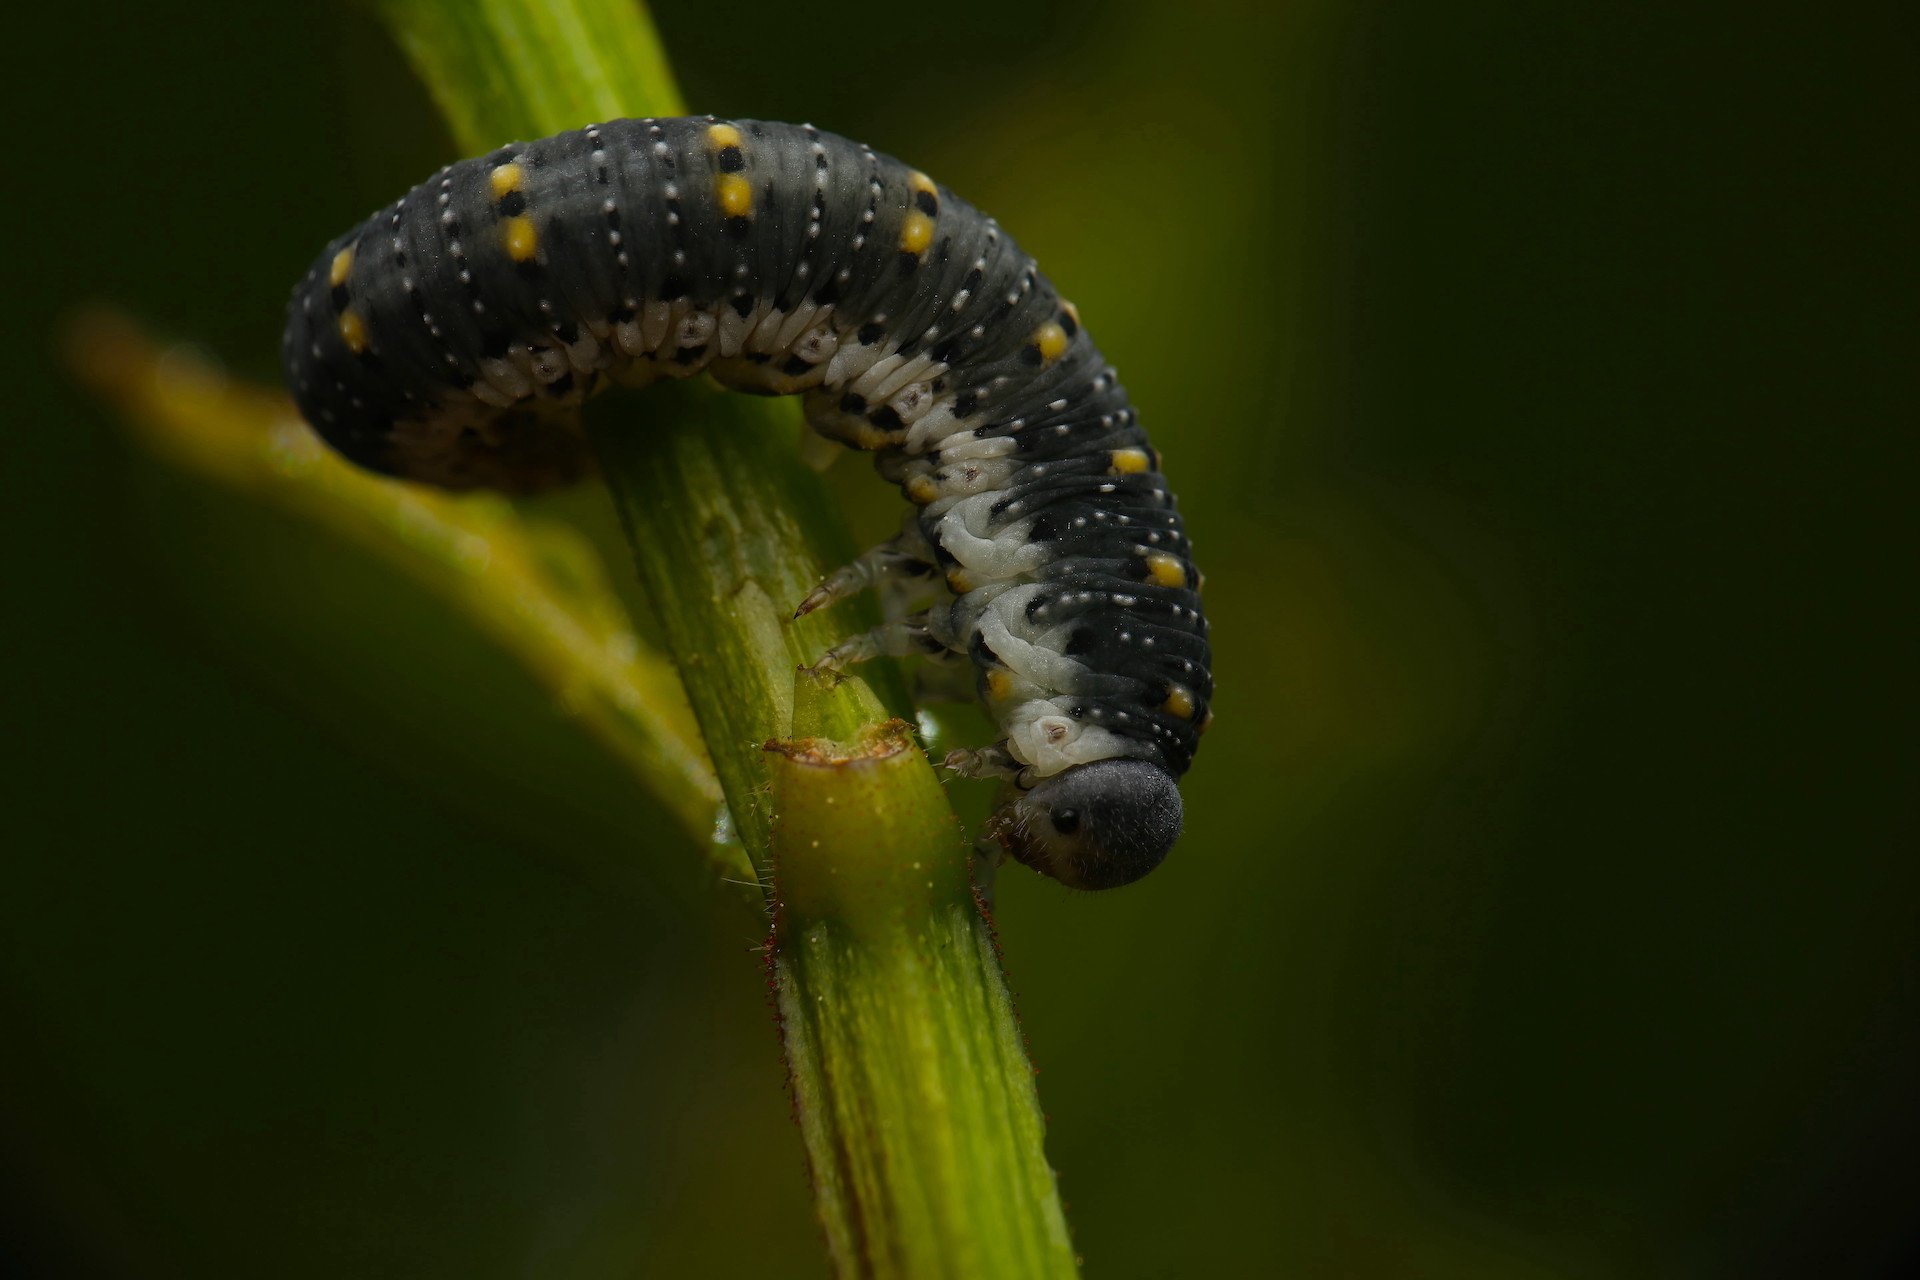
point(449, 337)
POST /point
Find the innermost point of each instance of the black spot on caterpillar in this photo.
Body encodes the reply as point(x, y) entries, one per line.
point(447, 339)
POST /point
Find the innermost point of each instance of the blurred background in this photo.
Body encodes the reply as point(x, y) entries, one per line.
point(1532, 377)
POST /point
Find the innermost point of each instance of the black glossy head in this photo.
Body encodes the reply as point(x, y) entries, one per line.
point(1099, 825)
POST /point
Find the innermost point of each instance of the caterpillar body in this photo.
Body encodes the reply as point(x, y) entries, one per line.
point(449, 337)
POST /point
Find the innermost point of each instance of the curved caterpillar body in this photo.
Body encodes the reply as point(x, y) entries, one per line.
point(447, 338)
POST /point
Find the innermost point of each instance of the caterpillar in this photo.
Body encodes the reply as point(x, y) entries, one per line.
point(450, 338)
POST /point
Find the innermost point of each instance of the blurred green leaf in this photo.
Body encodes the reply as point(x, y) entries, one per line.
point(534, 588)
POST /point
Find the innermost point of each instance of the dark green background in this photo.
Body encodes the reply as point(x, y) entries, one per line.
point(1538, 383)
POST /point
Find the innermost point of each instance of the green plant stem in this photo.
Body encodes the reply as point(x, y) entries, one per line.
point(912, 1088)
point(922, 1127)
point(501, 70)
point(729, 533)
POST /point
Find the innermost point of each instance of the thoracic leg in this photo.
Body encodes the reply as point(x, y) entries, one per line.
point(890, 639)
point(987, 762)
point(901, 557)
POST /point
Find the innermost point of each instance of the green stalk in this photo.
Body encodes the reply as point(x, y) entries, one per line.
point(916, 1102)
point(911, 1083)
point(729, 532)
point(507, 70)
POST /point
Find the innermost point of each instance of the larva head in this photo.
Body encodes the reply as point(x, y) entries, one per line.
point(1099, 825)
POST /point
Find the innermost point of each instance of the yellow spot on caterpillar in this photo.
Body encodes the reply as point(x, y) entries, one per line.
point(999, 684)
point(521, 240)
point(505, 180)
point(1051, 341)
point(735, 194)
point(958, 582)
point(1179, 703)
point(923, 206)
point(862, 434)
point(1073, 312)
point(921, 490)
point(342, 264)
point(1128, 462)
point(353, 331)
point(1206, 722)
point(722, 136)
point(916, 233)
point(1166, 570)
